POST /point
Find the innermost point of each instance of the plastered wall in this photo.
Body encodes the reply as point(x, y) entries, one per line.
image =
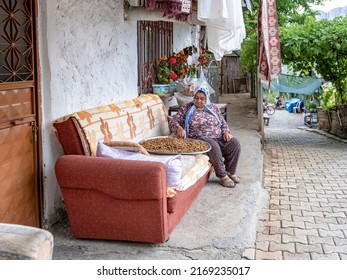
point(88, 57)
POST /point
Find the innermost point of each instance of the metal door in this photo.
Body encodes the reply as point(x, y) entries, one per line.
point(19, 179)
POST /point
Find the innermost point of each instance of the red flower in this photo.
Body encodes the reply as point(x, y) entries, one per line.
point(173, 76)
point(175, 66)
point(203, 59)
point(172, 61)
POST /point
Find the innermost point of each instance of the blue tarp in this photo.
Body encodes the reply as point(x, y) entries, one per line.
point(291, 103)
point(294, 84)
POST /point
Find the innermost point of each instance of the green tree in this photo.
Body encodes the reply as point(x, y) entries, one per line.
point(306, 43)
point(288, 12)
point(319, 45)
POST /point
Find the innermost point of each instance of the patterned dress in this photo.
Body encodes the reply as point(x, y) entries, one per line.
point(203, 125)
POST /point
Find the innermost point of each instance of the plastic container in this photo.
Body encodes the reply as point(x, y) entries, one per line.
point(160, 89)
point(172, 88)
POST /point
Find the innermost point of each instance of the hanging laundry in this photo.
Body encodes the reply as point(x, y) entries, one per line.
point(224, 23)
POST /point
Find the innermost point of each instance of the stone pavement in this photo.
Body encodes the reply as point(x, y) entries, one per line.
point(305, 174)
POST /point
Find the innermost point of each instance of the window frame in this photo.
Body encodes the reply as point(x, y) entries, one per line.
point(155, 39)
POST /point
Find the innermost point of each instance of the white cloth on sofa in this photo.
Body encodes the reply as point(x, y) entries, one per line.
point(173, 163)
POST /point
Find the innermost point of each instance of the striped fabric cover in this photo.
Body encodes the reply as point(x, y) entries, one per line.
point(131, 120)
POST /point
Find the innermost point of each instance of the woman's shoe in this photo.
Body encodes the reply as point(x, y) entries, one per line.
point(227, 182)
point(234, 177)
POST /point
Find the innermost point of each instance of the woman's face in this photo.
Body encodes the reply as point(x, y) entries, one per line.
point(199, 100)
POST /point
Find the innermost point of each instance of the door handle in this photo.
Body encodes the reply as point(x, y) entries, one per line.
point(13, 122)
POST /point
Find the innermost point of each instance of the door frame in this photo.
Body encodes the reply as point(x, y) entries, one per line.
point(38, 100)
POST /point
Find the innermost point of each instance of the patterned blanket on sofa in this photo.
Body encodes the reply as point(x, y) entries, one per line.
point(131, 120)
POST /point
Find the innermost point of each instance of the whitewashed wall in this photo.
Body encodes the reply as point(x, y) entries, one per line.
point(88, 57)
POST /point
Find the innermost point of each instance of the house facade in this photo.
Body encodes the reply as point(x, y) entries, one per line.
point(82, 54)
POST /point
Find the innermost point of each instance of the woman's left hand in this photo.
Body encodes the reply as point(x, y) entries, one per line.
point(227, 136)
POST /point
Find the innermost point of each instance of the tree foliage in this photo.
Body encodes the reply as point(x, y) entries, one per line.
point(319, 45)
point(307, 44)
point(288, 12)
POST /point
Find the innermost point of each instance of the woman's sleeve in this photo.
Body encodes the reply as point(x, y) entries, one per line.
point(178, 119)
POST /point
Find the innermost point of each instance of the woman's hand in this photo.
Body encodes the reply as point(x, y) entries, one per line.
point(181, 133)
point(227, 136)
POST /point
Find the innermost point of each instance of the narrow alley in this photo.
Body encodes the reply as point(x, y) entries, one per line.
point(305, 174)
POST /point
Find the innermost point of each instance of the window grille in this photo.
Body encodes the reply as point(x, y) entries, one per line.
point(154, 40)
point(16, 45)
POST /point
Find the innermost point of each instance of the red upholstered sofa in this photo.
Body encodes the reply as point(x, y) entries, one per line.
point(120, 199)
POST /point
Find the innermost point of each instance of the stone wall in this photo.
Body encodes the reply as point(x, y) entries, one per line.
point(324, 122)
point(335, 122)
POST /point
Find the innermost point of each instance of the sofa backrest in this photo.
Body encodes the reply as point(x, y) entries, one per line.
point(131, 120)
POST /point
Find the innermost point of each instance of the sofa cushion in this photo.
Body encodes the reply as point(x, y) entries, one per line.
point(173, 164)
point(194, 167)
point(181, 198)
point(71, 136)
point(132, 120)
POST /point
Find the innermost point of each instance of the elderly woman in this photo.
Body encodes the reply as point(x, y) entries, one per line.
point(203, 120)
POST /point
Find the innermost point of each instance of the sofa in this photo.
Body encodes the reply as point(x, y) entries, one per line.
point(120, 199)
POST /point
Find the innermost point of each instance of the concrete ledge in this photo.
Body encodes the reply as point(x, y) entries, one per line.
point(322, 132)
point(19, 242)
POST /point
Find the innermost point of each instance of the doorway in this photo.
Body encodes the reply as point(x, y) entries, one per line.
point(19, 115)
point(234, 80)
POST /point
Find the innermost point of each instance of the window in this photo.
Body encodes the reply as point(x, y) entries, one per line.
point(16, 45)
point(154, 40)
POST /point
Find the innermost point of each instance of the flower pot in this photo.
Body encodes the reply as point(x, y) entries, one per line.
point(160, 89)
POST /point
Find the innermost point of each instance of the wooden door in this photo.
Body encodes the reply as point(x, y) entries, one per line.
point(234, 80)
point(19, 179)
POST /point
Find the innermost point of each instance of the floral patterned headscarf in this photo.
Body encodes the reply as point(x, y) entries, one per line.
point(192, 109)
point(204, 89)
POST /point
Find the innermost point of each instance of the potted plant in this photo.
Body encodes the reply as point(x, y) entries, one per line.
point(180, 65)
point(174, 67)
point(312, 107)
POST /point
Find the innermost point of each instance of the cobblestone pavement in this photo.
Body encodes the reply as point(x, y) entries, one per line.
point(305, 174)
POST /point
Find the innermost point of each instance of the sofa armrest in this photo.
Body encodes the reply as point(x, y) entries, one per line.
point(122, 179)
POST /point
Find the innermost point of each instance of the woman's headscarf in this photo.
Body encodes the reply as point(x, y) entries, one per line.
point(204, 89)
